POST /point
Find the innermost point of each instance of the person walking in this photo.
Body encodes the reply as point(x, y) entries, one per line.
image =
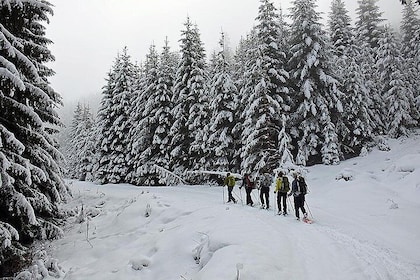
point(265, 183)
point(249, 186)
point(230, 183)
point(299, 192)
point(282, 188)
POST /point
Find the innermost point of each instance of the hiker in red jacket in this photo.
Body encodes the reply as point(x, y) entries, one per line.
point(249, 186)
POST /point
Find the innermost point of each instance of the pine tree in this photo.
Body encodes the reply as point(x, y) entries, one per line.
point(316, 95)
point(114, 123)
point(190, 101)
point(220, 147)
point(31, 186)
point(396, 89)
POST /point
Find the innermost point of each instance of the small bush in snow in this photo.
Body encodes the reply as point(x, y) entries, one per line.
point(140, 263)
point(346, 174)
point(382, 144)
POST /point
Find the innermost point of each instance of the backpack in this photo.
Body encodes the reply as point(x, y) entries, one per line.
point(285, 184)
point(302, 185)
point(265, 181)
point(231, 181)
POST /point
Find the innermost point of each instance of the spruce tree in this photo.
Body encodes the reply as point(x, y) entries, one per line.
point(31, 186)
point(368, 31)
point(244, 60)
point(410, 29)
point(355, 126)
point(267, 88)
point(190, 103)
point(396, 89)
point(141, 134)
point(114, 123)
point(220, 147)
point(163, 106)
point(339, 22)
point(317, 97)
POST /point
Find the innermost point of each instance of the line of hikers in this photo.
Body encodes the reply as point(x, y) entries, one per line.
point(281, 188)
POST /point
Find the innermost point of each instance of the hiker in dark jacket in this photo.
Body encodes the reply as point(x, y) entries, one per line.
point(265, 183)
point(299, 192)
point(282, 188)
point(249, 186)
point(230, 183)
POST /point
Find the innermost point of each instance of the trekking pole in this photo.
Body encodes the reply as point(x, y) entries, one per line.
point(309, 209)
point(290, 203)
point(223, 194)
point(275, 203)
point(237, 197)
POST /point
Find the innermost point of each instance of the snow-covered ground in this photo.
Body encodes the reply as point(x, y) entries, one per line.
point(367, 227)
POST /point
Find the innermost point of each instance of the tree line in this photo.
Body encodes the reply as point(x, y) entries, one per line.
point(292, 93)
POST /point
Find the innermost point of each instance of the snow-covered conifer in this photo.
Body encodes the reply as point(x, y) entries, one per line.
point(317, 97)
point(31, 186)
point(410, 29)
point(114, 123)
point(265, 94)
point(368, 31)
point(396, 89)
point(190, 103)
point(80, 149)
point(339, 23)
point(220, 147)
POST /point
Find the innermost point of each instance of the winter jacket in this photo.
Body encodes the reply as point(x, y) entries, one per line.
point(298, 186)
point(247, 183)
point(265, 181)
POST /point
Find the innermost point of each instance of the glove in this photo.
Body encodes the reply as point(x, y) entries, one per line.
point(275, 192)
point(240, 187)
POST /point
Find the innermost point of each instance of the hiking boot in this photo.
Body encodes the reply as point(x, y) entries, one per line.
point(278, 212)
point(305, 215)
point(262, 206)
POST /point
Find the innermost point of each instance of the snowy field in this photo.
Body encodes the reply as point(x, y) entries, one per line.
point(367, 227)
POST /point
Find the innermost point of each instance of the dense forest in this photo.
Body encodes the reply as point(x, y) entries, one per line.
point(293, 93)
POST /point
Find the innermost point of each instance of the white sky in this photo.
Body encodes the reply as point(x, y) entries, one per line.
point(88, 34)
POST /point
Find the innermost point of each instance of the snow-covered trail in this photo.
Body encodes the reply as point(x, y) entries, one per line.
point(192, 234)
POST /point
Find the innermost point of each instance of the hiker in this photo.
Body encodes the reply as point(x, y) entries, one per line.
point(265, 183)
point(249, 186)
point(299, 192)
point(282, 188)
point(230, 183)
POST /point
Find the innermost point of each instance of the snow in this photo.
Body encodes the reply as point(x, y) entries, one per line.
point(366, 227)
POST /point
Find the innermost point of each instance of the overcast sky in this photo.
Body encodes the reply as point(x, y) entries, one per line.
point(88, 34)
